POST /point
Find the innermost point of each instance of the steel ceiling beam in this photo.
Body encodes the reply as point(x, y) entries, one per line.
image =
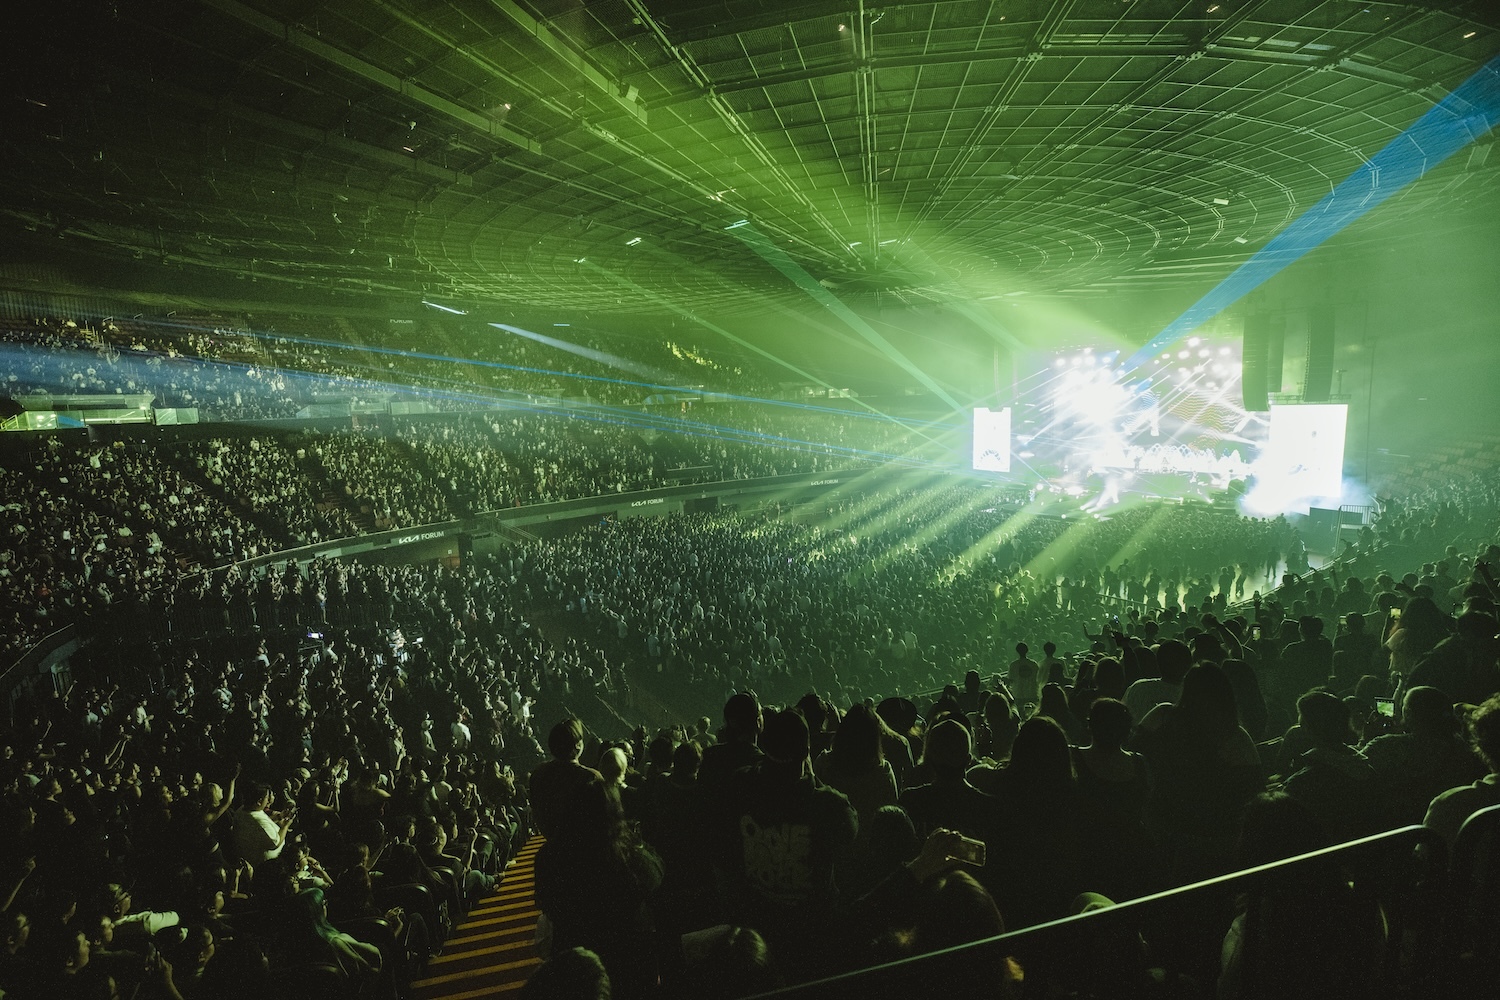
point(623, 145)
point(864, 96)
point(368, 71)
point(705, 89)
point(562, 49)
point(998, 105)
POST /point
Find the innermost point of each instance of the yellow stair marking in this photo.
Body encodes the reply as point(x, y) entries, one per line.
point(493, 950)
point(491, 935)
point(476, 973)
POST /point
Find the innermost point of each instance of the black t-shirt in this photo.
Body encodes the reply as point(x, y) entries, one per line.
point(783, 833)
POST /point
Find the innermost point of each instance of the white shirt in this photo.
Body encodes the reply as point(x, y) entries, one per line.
point(257, 837)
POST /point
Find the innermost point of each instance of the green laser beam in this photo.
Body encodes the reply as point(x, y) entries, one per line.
point(777, 258)
point(695, 318)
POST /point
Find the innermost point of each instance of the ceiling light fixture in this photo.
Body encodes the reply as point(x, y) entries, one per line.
point(736, 225)
point(631, 243)
point(1221, 201)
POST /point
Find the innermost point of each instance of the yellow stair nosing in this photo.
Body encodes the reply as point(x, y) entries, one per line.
point(477, 952)
point(512, 893)
point(453, 977)
point(491, 919)
point(490, 935)
point(488, 991)
point(500, 901)
point(495, 921)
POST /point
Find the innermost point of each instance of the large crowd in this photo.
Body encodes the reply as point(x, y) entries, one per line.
point(157, 505)
point(295, 779)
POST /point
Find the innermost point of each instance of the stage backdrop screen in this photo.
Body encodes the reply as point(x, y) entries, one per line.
point(1304, 456)
point(992, 439)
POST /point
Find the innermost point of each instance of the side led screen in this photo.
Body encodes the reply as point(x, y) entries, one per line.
point(1304, 456)
point(992, 439)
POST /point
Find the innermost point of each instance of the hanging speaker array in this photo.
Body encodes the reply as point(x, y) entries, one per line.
point(1317, 385)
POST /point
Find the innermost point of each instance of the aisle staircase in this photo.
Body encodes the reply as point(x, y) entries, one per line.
point(491, 952)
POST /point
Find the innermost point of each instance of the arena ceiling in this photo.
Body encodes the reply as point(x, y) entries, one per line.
point(599, 155)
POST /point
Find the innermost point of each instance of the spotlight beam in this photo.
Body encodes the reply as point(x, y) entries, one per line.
point(695, 318)
point(1003, 532)
point(600, 357)
point(777, 258)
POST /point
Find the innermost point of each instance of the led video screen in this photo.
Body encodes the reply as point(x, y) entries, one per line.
point(991, 440)
point(1304, 457)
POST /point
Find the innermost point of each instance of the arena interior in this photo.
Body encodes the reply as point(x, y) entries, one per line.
point(671, 500)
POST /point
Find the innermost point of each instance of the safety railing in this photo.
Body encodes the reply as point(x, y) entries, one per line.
point(1402, 871)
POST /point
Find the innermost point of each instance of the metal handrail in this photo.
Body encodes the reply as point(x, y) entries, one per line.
point(915, 976)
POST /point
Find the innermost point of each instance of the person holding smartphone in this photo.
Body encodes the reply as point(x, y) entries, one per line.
point(1358, 645)
point(259, 833)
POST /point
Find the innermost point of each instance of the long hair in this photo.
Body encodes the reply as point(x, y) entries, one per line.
point(1054, 704)
point(1040, 757)
point(309, 905)
point(1425, 625)
point(1109, 723)
point(1207, 708)
point(857, 745)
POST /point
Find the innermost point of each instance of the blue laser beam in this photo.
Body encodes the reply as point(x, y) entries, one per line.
point(669, 386)
point(1466, 114)
point(153, 372)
